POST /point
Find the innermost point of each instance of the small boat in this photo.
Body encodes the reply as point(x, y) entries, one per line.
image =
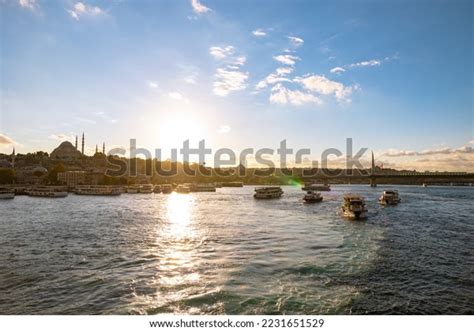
point(316, 187)
point(311, 197)
point(183, 189)
point(424, 185)
point(145, 188)
point(353, 207)
point(7, 193)
point(48, 191)
point(389, 197)
point(270, 192)
point(157, 189)
point(97, 190)
point(167, 188)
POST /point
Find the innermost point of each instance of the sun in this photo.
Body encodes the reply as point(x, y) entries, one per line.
point(173, 131)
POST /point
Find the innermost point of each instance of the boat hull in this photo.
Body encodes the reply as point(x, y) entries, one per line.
point(354, 215)
point(7, 195)
point(48, 194)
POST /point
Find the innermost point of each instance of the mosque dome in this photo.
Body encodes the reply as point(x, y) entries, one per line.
point(65, 152)
point(40, 170)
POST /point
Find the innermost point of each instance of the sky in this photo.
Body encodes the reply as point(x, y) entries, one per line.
point(395, 76)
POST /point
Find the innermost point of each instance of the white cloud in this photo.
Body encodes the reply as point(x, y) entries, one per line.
point(369, 63)
point(228, 80)
point(191, 79)
point(439, 151)
point(199, 8)
point(82, 9)
point(5, 140)
point(177, 96)
point(295, 41)
point(276, 77)
point(259, 33)
point(337, 70)
point(286, 59)
point(224, 129)
point(471, 142)
point(240, 61)
point(29, 4)
point(152, 84)
point(220, 53)
point(61, 137)
point(282, 95)
point(322, 85)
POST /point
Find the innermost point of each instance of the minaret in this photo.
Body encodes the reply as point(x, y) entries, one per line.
point(373, 179)
point(13, 157)
point(76, 142)
point(103, 148)
point(373, 162)
point(82, 151)
point(96, 149)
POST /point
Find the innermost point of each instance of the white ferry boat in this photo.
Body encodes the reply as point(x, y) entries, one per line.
point(270, 192)
point(146, 188)
point(389, 197)
point(354, 207)
point(7, 193)
point(97, 190)
point(311, 197)
point(183, 189)
point(48, 191)
point(202, 187)
point(316, 187)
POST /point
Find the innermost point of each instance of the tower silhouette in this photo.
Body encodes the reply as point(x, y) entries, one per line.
point(82, 150)
point(103, 148)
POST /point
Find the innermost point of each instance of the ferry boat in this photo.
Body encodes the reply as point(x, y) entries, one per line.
point(316, 187)
point(146, 188)
point(48, 191)
point(389, 197)
point(184, 189)
point(167, 188)
point(202, 187)
point(133, 189)
point(311, 197)
point(232, 184)
point(157, 189)
point(7, 193)
point(97, 190)
point(354, 207)
point(270, 192)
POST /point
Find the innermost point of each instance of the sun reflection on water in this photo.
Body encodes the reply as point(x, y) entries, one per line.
point(179, 240)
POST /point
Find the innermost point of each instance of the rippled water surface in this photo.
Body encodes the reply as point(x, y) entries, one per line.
point(226, 253)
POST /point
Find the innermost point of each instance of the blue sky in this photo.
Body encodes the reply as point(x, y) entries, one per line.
point(396, 76)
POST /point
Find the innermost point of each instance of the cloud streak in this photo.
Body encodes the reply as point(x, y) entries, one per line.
point(199, 8)
point(296, 41)
point(220, 53)
point(325, 86)
point(5, 140)
point(286, 59)
point(259, 33)
point(282, 95)
point(82, 9)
